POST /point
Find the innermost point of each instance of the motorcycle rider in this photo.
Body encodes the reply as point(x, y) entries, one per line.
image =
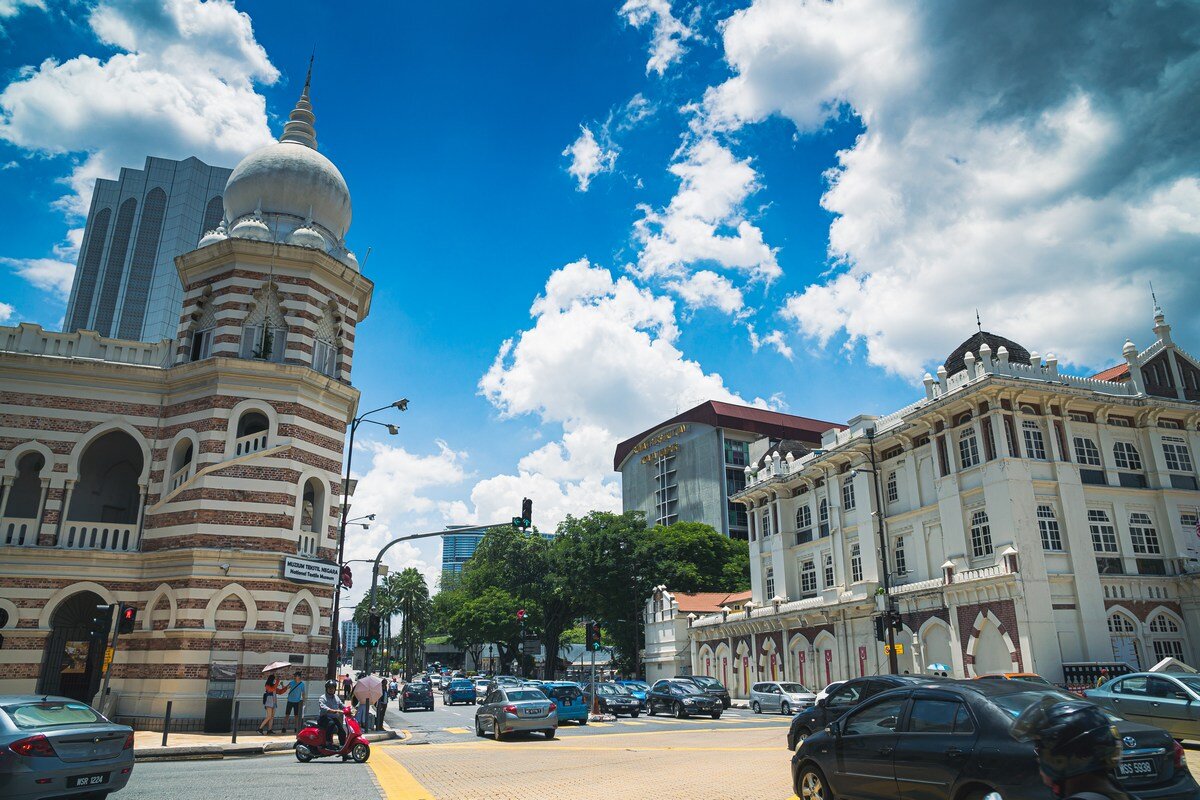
point(331, 716)
point(1077, 748)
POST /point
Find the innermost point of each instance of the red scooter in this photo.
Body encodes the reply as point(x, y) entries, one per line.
point(311, 743)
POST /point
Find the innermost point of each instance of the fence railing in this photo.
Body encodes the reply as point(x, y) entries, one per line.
point(250, 443)
point(99, 536)
point(18, 532)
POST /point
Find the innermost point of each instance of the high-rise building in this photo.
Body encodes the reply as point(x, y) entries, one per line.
point(459, 543)
point(126, 285)
point(349, 635)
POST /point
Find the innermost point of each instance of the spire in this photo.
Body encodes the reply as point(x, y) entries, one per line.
point(978, 322)
point(299, 127)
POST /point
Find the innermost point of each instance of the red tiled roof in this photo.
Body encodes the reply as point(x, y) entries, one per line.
point(740, 418)
point(1118, 373)
point(707, 602)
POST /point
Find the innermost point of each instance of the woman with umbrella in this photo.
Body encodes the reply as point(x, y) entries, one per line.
point(271, 692)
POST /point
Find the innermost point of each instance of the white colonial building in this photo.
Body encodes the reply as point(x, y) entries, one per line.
point(195, 479)
point(1031, 518)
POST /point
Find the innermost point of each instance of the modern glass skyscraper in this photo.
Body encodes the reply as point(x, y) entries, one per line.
point(459, 543)
point(125, 281)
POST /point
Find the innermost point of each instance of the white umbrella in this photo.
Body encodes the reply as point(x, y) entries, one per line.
point(274, 665)
point(938, 668)
point(368, 689)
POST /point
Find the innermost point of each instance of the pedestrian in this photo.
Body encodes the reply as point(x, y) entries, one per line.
point(295, 701)
point(347, 687)
point(270, 701)
point(381, 710)
point(1102, 678)
point(1077, 748)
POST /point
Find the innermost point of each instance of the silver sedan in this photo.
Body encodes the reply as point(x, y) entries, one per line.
point(58, 747)
point(511, 708)
point(1167, 700)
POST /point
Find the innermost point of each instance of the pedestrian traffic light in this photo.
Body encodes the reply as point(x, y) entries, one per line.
point(102, 621)
point(127, 620)
point(347, 577)
point(593, 636)
point(880, 632)
point(372, 630)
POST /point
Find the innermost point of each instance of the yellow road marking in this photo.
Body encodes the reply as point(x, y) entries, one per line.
point(634, 722)
point(600, 724)
point(395, 781)
point(456, 730)
point(567, 741)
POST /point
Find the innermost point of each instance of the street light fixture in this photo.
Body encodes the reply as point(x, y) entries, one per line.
point(893, 661)
point(400, 405)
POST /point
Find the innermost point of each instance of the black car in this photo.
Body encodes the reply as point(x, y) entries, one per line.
point(681, 698)
point(842, 699)
point(950, 739)
point(708, 685)
point(417, 694)
point(614, 699)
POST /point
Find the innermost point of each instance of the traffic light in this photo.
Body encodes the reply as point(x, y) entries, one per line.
point(347, 577)
point(127, 620)
point(373, 621)
point(521, 615)
point(880, 631)
point(102, 621)
point(593, 636)
point(526, 513)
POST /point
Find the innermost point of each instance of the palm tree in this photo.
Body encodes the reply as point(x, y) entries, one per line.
point(409, 596)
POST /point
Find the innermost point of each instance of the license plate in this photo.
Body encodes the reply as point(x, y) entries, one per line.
point(532, 712)
point(1137, 768)
point(87, 780)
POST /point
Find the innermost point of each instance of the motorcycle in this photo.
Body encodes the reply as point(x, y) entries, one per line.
point(311, 743)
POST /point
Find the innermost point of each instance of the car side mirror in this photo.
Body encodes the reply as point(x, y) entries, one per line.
point(1182, 696)
point(833, 729)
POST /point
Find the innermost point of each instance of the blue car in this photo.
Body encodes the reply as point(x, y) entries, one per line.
point(459, 690)
point(572, 705)
point(638, 689)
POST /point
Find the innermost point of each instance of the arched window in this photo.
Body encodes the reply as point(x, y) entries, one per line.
point(824, 510)
point(981, 535)
point(106, 502)
point(1163, 624)
point(1048, 527)
point(1120, 624)
point(253, 433)
point(325, 340)
point(89, 270)
point(312, 506)
point(1126, 456)
point(803, 518)
point(114, 268)
point(181, 463)
point(1165, 638)
point(968, 448)
point(25, 494)
point(265, 332)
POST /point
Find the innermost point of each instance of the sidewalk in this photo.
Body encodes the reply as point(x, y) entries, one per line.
point(147, 745)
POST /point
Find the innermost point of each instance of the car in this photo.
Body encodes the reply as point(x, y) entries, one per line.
point(843, 698)
point(505, 680)
point(1168, 700)
point(638, 689)
point(780, 696)
point(509, 709)
point(708, 686)
point(681, 698)
point(436, 680)
point(951, 740)
point(416, 694)
point(1032, 677)
point(481, 687)
point(56, 746)
point(821, 695)
point(572, 705)
point(612, 698)
point(458, 690)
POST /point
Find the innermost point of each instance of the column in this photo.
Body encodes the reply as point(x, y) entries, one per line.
point(141, 514)
point(999, 433)
point(41, 509)
point(68, 489)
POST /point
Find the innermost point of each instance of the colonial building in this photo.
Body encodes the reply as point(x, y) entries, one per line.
point(1029, 518)
point(685, 469)
point(195, 479)
point(668, 616)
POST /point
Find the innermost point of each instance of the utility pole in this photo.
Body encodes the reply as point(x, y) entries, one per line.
point(889, 615)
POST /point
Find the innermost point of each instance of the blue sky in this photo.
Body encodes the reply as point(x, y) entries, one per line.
point(797, 204)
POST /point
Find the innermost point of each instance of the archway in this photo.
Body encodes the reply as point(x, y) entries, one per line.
point(935, 644)
point(108, 489)
point(73, 657)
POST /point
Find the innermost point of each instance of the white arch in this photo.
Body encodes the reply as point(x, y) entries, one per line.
point(708, 660)
point(232, 590)
point(162, 591)
point(311, 473)
point(1154, 612)
point(114, 424)
point(304, 595)
point(11, 608)
point(826, 641)
point(190, 435)
point(62, 594)
point(235, 414)
point(15, 455)
point(973, 642)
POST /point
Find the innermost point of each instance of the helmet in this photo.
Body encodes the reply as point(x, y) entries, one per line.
point(1072, 737)
point(331, 685)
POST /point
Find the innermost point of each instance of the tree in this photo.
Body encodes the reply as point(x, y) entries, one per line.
point(406, 593)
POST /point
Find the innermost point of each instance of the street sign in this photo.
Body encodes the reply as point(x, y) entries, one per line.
point(108, 657)
point(897, 648)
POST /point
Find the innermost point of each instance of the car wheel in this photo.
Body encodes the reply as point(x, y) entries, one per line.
point(634, 714)
point(583, 721)
point(550, 733)
point(303, 754)
point(812, 784)
point(755, 707)
point(496, 734)
point(651, 710)
point(360, 753)
point(716, 715)
point(801, 735)
point(478, 728)
point(785, 708)
point(680, 711)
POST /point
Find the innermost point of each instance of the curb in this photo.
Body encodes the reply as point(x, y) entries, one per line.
point(200, 752)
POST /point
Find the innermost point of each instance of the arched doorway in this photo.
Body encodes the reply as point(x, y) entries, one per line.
point(73, 658)
point(108, 489)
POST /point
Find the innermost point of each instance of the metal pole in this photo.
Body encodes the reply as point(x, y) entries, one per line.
point(595, 692)
point(237, 707)
point(335, 633)
point(116, 631)
point(893, 662)
point(167, 722)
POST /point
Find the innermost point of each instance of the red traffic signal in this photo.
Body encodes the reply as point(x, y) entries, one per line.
point(347, 577)
point(521, 614)
point(127, 620)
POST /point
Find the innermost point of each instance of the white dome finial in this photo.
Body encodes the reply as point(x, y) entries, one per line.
point(299, 128)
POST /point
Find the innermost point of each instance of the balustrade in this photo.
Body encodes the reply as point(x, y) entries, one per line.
point(110, 536)
point(250, 443)
point(18, 532)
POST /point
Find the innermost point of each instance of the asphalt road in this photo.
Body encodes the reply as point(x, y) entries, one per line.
point(262, 778)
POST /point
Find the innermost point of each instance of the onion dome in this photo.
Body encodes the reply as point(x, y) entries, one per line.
point(291, 183)
point(956, 361)
point(251, 227)
point(307, 236)
point(217, 234)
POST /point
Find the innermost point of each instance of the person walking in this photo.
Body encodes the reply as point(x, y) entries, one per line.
point(270, 702)
point(347, 687)
point(1102, 678)
point(1077, 748)
point(295, 701)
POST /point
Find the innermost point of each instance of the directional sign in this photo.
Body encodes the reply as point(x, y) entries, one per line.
point(897, 648)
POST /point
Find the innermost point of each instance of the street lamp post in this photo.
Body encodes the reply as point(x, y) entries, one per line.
point(402, 405)
point(888, 614)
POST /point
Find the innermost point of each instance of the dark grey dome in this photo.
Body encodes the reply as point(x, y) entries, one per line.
point(1016, 354)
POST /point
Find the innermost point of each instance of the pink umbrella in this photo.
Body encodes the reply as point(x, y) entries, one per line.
point(369, 689)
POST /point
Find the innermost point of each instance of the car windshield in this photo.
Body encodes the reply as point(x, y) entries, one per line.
point(1034, 679)
point(525, 694)
point(637, 685)
point(707, 682)
point(564, 692)
point(47, 714)
point(1190, 681)
point(611, 689)
point(1014, 704)
point(688, 688)
point(793, 688)
point(460, 685)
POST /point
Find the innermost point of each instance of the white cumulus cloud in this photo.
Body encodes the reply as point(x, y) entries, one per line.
point(589, 158)
point(48, 274)
point(6, 313)
point(668, 31)
point(706, 289)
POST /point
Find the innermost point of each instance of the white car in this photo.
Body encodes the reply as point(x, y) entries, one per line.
point(436, 680)
point(824, 692)
point(481, 687)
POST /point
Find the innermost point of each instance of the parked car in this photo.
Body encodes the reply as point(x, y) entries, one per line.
point(638, 689)
point(613, 699)
point(708, 685)
point(481, 687)
point(780, 696)
point(60, 747)
point(821, 695)
point(1168, 700)
point(458, 690)
point(1032, 677)
point(416, 694)
point(510, 709)
point(498, 681)
point(951, 739)
point(843, 698)
point(569, 697)
point(681, 698)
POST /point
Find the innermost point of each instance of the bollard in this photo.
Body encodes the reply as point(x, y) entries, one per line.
point(167, 722)
point(237, 706)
